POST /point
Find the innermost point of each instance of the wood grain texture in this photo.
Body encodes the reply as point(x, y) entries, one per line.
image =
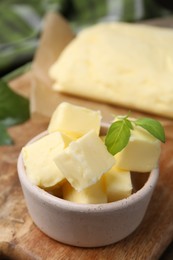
point(21, 239)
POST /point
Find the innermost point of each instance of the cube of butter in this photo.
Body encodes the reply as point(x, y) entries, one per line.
point(141, 153)
point(74, 120)
point(38, 159)
point(118, 184)
point(84, 161)
point(91, 195)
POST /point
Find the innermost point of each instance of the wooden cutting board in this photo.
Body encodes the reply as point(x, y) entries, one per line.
point(21, 239)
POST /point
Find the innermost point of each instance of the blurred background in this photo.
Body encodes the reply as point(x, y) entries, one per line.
point(21, 22)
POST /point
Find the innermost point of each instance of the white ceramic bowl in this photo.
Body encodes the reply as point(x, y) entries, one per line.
point(87, 225)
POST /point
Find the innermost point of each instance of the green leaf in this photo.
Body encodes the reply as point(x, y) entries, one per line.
point(128, 123)
point(5, 138)
point(14, 109)
point(17, 72)
point(153, 126)
point(118, 136)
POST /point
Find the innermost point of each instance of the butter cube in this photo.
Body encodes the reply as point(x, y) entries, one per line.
point(142, 152)
point(74, 120)
point(84, 161)
point(38, 159)
point(57, 191)
point(91, 195)
point(118, 184)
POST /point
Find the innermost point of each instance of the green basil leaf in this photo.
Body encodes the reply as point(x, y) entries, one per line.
point(128, 123)
point(118, 136)
point(5, 138)
point(153, 126)
point(14, 109)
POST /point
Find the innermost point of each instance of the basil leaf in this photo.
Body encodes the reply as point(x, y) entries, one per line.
point(153, 126)
point(128, 123)
point(5, 138)
point(118, 136)
point(14, 109)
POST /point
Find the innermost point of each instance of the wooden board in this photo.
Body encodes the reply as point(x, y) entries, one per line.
point(21, 239)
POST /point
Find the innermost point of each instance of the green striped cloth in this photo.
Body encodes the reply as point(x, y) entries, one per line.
point(21, 21)
point(19, 30)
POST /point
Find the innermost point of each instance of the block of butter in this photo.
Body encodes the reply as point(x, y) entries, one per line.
point(84, 161)
point(91, 195)
point(38, 160)
point(119, 63)
point(74, 120)
point(141, 153)
point(118, 184)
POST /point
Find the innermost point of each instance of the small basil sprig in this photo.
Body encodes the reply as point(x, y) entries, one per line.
point(119, 132)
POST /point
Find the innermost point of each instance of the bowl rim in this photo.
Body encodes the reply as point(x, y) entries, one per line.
point(72, 206)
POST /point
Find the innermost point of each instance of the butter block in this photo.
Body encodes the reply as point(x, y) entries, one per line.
point(118, 184)
point(119, 63)
point(91, 195)
point(142, 152)
point(74, 120)
point(38, 160)
point(84, 161)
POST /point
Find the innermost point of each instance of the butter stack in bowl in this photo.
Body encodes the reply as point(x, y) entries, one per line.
point(76, 176)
